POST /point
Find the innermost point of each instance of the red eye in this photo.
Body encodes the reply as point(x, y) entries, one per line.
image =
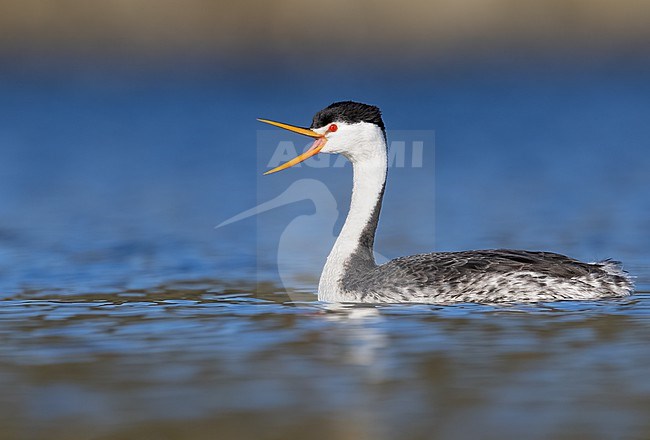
point(332, 127)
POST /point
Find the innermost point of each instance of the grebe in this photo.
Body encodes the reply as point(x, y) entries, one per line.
point(357, 131)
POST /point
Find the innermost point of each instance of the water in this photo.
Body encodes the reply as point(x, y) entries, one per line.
point(125, 314)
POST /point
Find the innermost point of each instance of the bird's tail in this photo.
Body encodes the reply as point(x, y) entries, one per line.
point(619, 276)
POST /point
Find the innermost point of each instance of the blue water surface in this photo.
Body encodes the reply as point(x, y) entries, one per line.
point(124, 313)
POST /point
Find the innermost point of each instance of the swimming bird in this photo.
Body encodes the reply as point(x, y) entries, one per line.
point(357, 131)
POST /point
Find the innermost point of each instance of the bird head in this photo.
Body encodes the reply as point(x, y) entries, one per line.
point(352, 129)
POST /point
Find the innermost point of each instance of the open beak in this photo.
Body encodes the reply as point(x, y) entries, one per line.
point(315, 148)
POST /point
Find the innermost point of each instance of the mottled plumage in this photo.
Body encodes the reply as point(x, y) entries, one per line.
point(501, 275)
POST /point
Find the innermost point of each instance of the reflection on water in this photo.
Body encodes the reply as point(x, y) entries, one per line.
point(199, 361)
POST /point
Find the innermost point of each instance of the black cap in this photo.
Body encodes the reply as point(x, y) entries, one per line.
point(350, 112)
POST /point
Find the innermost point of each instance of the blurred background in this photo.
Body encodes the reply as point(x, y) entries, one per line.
point(297, 32)
point(128, 128)
point(128, 131)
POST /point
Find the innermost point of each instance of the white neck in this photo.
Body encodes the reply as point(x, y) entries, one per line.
point(369, 176)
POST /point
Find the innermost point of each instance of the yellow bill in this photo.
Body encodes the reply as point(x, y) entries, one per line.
point(312, 151)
